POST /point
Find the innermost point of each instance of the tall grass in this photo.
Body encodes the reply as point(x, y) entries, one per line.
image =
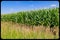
point(14, 31)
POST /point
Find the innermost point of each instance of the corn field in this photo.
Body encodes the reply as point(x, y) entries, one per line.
point(44, 17)
point(18, 25)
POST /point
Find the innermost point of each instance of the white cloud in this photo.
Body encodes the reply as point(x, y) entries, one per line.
point(11, 9)
point(45, 8)
point(53, 5)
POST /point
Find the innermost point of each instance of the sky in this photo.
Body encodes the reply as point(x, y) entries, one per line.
point(17, 6)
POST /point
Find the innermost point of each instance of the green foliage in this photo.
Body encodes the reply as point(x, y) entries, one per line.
point(44, 17)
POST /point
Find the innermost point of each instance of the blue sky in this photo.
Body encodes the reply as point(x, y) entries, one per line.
point(17, 6)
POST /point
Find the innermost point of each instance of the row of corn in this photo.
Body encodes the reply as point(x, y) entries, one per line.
point(44, 17)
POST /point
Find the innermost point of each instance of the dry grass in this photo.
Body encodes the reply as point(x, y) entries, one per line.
point(15, 30)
